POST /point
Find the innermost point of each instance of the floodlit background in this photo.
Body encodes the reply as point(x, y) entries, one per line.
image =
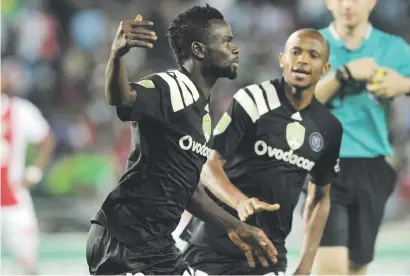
point(54, 53)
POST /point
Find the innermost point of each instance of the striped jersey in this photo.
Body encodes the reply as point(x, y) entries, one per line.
point(269, 148)
point(170, 128)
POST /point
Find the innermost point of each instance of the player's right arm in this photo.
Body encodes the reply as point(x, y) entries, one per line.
point(361, 69)
point(130, 34)
point(228, 134)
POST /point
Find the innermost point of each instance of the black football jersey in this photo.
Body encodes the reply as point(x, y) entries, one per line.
point(170, 130)
point(270, 148)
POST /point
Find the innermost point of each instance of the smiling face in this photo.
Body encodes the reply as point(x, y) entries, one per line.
point(305, 58)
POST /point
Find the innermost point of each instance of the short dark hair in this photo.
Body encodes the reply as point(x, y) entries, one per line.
point(189, 26)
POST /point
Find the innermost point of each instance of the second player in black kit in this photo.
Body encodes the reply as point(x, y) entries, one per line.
point(274, 134)
point(170, 126)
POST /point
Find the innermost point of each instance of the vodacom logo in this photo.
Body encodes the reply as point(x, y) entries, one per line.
point(187, 143)
point(261, 148)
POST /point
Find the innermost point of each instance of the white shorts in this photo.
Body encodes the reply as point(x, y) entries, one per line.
point(19, 231)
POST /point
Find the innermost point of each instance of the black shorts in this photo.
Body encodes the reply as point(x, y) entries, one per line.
point(108, 256)
point(214, 263)
point(358, 200)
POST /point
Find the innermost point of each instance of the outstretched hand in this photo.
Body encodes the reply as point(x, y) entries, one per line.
point(248, 207)
point(254, 243)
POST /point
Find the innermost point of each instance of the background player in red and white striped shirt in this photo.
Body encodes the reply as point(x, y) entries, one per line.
point(21, 124)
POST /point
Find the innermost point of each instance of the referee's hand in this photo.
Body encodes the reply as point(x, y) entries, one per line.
point(253, 242)
point(248, 207)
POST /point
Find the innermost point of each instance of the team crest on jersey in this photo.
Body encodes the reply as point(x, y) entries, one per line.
point(295, 135)
point(316, 141)
point(222, 124)
point(147, 83)
point(207, 126)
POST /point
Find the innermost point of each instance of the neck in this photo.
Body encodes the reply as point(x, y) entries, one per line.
point(299, 98)
point(352, 35)
point(204, 82)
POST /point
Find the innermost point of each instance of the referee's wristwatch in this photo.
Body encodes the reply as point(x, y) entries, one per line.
point(343, 75)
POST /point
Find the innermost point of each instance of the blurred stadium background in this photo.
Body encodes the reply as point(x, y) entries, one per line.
point(54, 53)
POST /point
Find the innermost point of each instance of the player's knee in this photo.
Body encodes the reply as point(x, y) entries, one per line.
point(332, 261)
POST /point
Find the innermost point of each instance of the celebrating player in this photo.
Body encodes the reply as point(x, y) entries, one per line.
point(169, 112)
point(272, 136)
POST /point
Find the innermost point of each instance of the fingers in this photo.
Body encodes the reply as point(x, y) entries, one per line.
point(138, 30)
point(139, 43)
point(261, 258)
point(263, 206)
point(135, 23)
point(244, 247)
point(249, 208)
point(244, 212)
point(137, 36)
point(141, 37)
point(254, 205)
point(268, 247)
point(378, 76)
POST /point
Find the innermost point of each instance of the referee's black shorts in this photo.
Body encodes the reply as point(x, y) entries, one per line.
point(358, 200)
point(108, 256)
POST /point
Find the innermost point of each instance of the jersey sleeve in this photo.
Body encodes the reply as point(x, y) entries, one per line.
point(234, 124)
point(36, 127)
point(151, 101)
point(327, 169)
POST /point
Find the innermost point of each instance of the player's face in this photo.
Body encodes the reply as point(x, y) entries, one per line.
point(350, 12)
point(222, 55)
point(304, 60)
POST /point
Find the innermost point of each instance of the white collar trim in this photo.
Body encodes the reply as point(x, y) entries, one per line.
point(336, 36)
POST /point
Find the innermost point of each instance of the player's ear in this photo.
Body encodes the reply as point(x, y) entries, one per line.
point(326, 69)
point(281, 60)
point(198, 50)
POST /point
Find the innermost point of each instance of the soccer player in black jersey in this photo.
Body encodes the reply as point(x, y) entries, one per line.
point(171, 126)
point(274, 134)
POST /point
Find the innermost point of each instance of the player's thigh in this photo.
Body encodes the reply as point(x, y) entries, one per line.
point(375, 182)
point(20, 232)
point(332, 255)
point(336, 228)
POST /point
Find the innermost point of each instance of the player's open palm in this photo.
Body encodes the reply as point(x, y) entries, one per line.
point(254, 243)
point(248, 207)
point(133, 33)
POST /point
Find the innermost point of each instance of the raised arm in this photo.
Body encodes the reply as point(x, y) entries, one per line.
point(130, 34)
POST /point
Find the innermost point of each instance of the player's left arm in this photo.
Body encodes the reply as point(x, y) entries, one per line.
point(251, 240)
point(395, 81)
point(318, 201)
point(228, 134)
point(38, 133)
